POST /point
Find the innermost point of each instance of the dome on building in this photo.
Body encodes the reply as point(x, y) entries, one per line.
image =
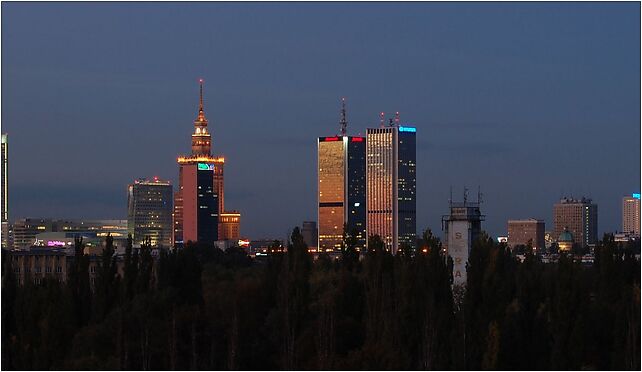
point(565, 240)
point(565, 236)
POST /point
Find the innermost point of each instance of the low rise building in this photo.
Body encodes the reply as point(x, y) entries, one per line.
point(526, 232)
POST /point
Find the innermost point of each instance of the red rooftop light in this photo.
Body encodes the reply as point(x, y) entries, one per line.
point(331, 139)
point(357, 139)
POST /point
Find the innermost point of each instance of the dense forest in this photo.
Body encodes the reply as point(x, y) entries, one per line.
point(202, 308)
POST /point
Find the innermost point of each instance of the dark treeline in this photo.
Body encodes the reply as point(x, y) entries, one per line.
point(201, 308)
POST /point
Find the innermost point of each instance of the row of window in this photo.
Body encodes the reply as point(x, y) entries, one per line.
point(38, 270)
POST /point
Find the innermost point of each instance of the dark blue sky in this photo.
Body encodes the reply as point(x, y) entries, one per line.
point(531, 101)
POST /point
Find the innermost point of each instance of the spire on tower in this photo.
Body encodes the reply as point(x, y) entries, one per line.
point(201, 111)
point(397, 118)
point(381, 118)
point(344, 121)
point(201, 138)
point(200, 105)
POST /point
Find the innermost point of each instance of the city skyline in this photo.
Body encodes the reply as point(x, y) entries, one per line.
point(134, 122)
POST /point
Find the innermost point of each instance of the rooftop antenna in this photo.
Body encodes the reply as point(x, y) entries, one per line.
point(397, 118)
point(465, 194)
point(381, 118)
point(479, 195)
point(450, 201)
point(343, 121)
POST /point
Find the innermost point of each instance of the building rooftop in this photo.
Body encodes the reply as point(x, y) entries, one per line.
point(153, 182)
point(571, 200)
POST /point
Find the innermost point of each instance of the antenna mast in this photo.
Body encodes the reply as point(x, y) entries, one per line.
point(344, 121)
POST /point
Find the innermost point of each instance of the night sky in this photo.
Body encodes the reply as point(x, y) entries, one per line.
point(530, 101)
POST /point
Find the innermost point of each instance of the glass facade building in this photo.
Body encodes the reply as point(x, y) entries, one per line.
point(196, 215)
point(341, 191)
point(150, 212)
point(391, 186)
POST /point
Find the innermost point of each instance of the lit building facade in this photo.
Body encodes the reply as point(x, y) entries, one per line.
point(579, 216)
point(525, 232)
point(199, 200)
point(631, 214)
point(5, 192)
point(341, 190)
point(149, 212)
point(229, 226)
point(26, 230)
point(391, 185)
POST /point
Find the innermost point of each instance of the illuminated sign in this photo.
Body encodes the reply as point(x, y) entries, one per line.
point(328, 139)
point(408, 129)
point(357, 139)
point(203, 166)
point(636, 195)
point(244, 243)
point(55, 243)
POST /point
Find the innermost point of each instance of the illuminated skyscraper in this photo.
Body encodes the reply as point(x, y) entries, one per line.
point(5, 192)
point(341, 188)
point(391, 185)
point(631, 214)
point(150, 212)
point(197, 202)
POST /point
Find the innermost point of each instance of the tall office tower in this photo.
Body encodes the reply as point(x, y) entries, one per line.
point(341, 188)
point(580, 216)
point(5, 192)
point(391, 185)
point(462, 226)
point(524, 232)
point(631, 214)
point(196, 203)
point(150, 212)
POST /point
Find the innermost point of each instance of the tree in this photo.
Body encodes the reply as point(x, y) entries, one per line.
point(107, 280)
point(79, 283)
point(349, 253)
point(293, 297)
